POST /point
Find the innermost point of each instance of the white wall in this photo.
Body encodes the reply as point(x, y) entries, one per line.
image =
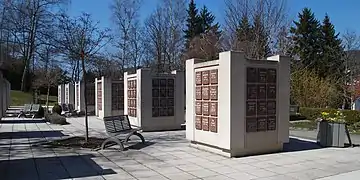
point(61, 94)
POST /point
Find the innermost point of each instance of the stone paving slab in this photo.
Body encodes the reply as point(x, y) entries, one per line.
point(168, 156)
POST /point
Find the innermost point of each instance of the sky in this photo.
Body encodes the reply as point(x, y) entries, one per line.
point(344, 14)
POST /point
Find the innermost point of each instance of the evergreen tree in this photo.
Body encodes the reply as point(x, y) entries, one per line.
point(206, 19)
point(332, 51)
point(260, 36)
point(307, 40)
point(193, 23)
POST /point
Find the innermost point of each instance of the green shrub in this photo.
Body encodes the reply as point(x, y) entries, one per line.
point(351, 116)
point(57, 109)
point(55, 118)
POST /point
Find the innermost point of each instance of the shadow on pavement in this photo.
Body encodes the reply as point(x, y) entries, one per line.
point(52, 168)
point(30, 134)
point(22, 121)
point(300, 145)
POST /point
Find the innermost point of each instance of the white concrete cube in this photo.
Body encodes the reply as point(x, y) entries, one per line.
point(61, 94)
point(69, 94)
point(155, 101)
point(80, 96)
point(236, 106)
point(109, 100)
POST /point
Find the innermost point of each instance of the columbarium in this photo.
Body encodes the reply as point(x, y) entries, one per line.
point(80, 96)
point(237, 106)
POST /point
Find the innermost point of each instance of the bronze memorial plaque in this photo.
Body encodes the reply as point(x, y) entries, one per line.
point(170, 111)
point(251, 108)
point(214, 76)
point(198, 93)
point(262, 75)
point(198, 78)
point(213, 108)
point(205, 92)
point(213, 92)
point(163, 82)
point(155, 112)
point(271, 76)
point(271, 123)
point(155, 83)
point(205, 108)
point(271, 107)
point(251, 124)
point(261, 124)
point(251, 91)
point(261, 91)
point(251, 74)
point(170, 102)
point(213, 124)
point(261, 108)
point(271, 91)
point(198, 107)
point(198, 122)
point(205, 77)
point(205, 123)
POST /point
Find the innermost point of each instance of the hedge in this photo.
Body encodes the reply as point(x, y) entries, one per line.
point(351, 116)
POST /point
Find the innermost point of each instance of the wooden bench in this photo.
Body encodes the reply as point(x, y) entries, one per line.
point(119, 125)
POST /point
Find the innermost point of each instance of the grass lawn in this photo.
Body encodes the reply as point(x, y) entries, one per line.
point(19, 98)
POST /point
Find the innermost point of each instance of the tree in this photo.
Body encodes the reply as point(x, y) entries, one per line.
point(207, 19)
point(307, 40)
point(271, 13)
point(125, 16)
point(192, 23)
point(27, 22)
point(332, 51)
point(164, 38)
point(81, 38)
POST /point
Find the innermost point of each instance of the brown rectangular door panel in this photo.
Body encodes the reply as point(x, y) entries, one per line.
point(213, 124)
point(198, 122)
point(205, 123)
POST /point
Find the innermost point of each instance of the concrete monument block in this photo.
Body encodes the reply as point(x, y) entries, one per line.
point(80, 96)
point(233, 105)
point(61, 93)
point(155, 101)
point(109, 97)
point(69, 94)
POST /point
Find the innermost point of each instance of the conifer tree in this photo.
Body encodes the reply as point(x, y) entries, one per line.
point(193, 23)
point(207, 19)
point(307, 40)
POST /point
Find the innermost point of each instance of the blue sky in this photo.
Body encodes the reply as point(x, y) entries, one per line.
point(344, 14)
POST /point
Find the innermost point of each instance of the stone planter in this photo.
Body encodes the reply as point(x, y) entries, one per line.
point(331, 134)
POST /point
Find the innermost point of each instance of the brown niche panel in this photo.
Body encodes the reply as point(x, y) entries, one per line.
point(206, 100)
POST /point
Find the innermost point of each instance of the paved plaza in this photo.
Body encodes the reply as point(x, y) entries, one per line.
point(166, 156)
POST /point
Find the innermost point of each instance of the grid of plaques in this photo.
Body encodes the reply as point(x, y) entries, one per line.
point(77, 95)
point(132, 98)
point(206, 100)
point(99, 95)
point(117, 93)
point(66, 95)
point(163, 90)
point(260, 99)
point(90, 91)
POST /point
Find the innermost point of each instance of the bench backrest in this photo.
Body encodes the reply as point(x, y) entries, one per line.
point(27, 107)
point(35, 107)
point(117, 124)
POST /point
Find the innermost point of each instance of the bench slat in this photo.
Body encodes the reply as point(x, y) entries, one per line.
point(117, 124)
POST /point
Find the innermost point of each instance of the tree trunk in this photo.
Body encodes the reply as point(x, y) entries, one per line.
point(85, 99)
point(23, 78)
point(47, 98)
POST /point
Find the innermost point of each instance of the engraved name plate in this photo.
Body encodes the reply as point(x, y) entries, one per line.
point(213, 124)
point(214, 76)
point(205, 123)
point(198, 78)
point(198, 122)
point(261, 108)
point(271, 107)
point(213, 92)
point(198, 107)
point(271, 91)
point(271, 123)
point(261, 91)
point(251, 124)
point(251, 91)
point(205, 93)
point(213, 108)
point(205, 108)
point(205, 77)
point(271, 73)
point(261, 124)
point(251, 75)
point(262, 75)
point(250, 108)
point(198, 94)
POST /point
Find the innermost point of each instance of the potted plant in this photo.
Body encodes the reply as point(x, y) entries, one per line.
point(331, 129)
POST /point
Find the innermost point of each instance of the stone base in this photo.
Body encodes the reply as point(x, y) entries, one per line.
point(237, 153)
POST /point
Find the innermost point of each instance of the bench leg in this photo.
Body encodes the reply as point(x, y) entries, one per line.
point(136, 134)
point(112, 139)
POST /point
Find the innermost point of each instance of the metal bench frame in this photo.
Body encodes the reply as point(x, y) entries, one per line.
point(29, 110)
point(119, 125)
